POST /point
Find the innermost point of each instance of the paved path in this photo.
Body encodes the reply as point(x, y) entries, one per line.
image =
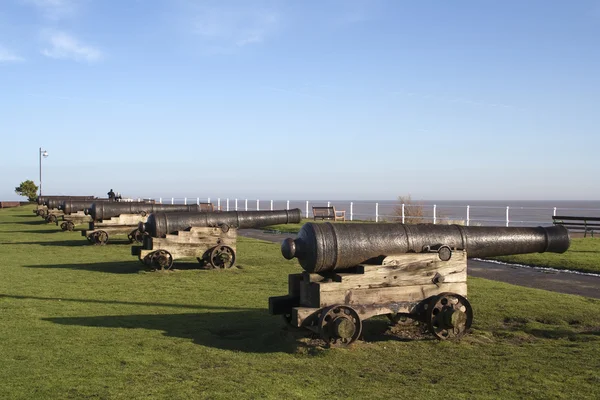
point(563, 282)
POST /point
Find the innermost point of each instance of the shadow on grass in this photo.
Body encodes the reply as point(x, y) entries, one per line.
point(117, 267)
point(122, 267)
point(579, 336)
point(252, 331)
point(36, 222)
point(39, 231)
point(67, 243)
point(129, 303)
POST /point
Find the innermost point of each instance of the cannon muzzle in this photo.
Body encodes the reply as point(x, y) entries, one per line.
point(103, 210)
point(161, 223)
point(327, 247)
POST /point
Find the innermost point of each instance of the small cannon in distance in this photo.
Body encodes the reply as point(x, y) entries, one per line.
point(108, 219)
point(209, 237)
point(101, 211)
point(407, 272)
point(46, 203)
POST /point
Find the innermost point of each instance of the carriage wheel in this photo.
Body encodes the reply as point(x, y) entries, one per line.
point(162, 259)
point(51, 218)
point(70, 226)
point(222, 257)
point(448, 316)
point(339, 325)
point(101, 238)
point(63, 226)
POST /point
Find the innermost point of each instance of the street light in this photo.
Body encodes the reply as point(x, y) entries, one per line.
point(45, 154)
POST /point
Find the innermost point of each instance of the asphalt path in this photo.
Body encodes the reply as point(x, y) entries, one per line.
point(556, 281)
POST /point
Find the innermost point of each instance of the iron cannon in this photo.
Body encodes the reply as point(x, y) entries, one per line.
point(103, 210)
point(160, 224)
point(43, 200)
point(411, 273)
point(209, 237)
point(70, 206)
point(325, 247)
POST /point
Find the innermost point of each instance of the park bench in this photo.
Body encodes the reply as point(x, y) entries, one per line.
point(328, 213)
point(585, 224)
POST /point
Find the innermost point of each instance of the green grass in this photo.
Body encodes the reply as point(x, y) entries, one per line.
point(81, 321)
point(583, 255)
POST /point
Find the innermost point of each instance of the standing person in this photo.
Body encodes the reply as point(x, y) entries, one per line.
point(111, 195)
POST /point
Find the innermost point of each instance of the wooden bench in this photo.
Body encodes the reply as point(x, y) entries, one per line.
point(586, 224)
point(328, 213)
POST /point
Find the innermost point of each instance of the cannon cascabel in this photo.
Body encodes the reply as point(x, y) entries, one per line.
point(160, 224)
point(325, 247)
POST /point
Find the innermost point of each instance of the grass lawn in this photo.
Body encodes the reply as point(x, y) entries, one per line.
point(83, 321)
point(583, 255)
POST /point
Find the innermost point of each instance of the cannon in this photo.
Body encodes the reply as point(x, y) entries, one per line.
point(210, 237)
point(109, 219)
point(408, 272)
point(101, 211)
point(73, 212)
point(52, 202)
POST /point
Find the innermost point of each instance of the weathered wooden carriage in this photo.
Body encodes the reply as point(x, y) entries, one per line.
point(353, 272)
point(208, 237)
point(110, 219)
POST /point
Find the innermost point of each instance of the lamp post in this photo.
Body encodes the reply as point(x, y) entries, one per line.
point(45, 154)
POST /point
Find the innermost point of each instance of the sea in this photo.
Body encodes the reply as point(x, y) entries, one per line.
point(468, 212)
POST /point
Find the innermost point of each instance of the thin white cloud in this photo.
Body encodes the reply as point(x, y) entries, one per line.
point(234, 26)
point(64, 46)
point(55, 9)
point(7, 56)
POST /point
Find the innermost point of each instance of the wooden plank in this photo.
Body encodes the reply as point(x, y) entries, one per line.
point(385, 294)
point(387, 276)
point(123, 219)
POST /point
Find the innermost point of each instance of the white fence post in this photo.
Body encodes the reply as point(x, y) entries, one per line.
point(257, 205)
point(185, 201)
point(172, 200)
point(228, 204)
point(235, 204)
point(554, 212)
point(160, 200)
point(287, 206)
point(468, 215)
point(197, 201)
point(271, 205)
point(246, 204)
point(218, 203)
point(208, 201)
point(403, 216)
point(351, 211)
point(328, 204)
point(376, 212)
point(434, 214)
point(507, 207)
point(306, 208)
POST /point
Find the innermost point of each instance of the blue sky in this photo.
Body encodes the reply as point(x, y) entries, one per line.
point(480, 100)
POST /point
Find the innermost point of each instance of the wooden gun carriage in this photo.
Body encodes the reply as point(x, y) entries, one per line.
point(125, 224)
point(419, 272)
point(209, 237)
point(124, 218)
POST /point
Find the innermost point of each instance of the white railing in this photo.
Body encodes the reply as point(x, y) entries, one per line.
point(390, 211)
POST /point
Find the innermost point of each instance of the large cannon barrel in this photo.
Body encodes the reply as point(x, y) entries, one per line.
point(326, 247)
point(44, 200)
point(70, 206)
point(160, 224)
point(104, 210)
